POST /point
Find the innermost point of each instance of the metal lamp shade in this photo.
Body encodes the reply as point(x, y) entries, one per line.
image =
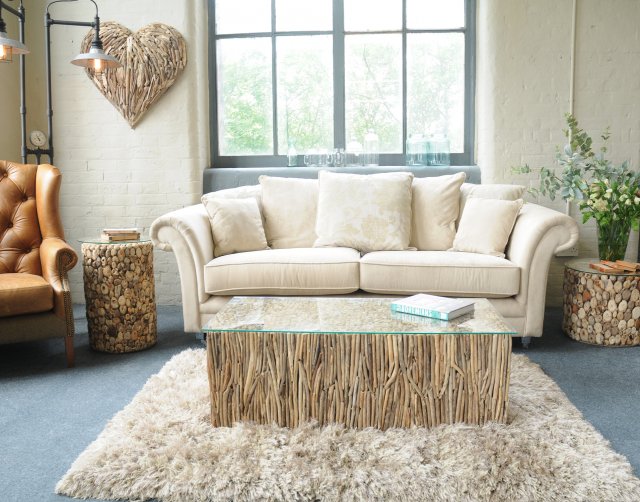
point(9, 47)
point(97, 60)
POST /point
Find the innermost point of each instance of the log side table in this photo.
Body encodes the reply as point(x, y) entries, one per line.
point(119, 291)
point(601, 308)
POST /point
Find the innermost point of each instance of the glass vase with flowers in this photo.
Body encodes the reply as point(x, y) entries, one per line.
point(606, 192)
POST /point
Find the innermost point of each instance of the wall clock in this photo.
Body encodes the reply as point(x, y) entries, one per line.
point(37, 138)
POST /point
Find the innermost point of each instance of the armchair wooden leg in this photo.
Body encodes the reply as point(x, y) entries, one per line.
point(68, 346)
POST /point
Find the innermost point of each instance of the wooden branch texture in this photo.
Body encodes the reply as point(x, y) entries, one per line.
point(152, 60)
point(360, 380)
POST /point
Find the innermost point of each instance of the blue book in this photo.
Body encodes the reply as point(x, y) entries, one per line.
point(437, 307)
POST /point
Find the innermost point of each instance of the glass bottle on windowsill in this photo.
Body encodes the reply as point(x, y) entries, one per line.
point(371, 153)
point(292, 157)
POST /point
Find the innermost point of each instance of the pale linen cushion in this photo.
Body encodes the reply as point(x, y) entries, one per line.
point(365, 212)
point(490, 191)
point(289, 207)
point(243, 192)
point(486, 225)
point(236, 225)
point(299, 271)
point(434, 211)
point(438, 272)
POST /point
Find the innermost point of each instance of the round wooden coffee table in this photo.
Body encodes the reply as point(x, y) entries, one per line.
point(119, 291)
point(601, 308)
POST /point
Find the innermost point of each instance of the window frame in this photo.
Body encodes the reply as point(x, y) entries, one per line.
point(279, 159)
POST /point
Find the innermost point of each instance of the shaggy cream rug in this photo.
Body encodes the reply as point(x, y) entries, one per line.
point(162, 446)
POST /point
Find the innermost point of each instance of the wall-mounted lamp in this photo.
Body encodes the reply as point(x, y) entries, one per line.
point(9, 46)
point(96, 59)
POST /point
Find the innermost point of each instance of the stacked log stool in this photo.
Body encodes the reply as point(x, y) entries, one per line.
point(601, 308)
point(119, 291)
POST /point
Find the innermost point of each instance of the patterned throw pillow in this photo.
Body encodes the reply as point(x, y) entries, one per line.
point(364, 212)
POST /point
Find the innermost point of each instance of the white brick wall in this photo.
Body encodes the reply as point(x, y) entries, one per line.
point(523, 90)
point(118, 176)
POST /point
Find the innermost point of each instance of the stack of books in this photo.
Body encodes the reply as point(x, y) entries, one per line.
point(120, 234)
point(615, 267)
point(437, 307)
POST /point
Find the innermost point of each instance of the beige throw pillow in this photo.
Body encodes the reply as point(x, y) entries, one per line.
point(236, 225)
point(434, 211)
point(486, 225)
point(490, 191)
point(365, 212)
point(289, 207)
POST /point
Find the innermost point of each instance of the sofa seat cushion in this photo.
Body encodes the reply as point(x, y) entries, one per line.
point(24, 294)
point(439, 272)
point(295, 271)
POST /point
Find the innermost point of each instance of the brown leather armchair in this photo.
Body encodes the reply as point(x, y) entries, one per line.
point(35, 301)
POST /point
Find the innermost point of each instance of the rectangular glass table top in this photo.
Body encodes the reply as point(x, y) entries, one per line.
point(346, 315)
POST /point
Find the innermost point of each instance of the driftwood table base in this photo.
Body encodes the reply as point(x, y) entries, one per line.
point(360, 380)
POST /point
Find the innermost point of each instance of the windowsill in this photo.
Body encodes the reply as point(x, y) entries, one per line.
point(231, 177)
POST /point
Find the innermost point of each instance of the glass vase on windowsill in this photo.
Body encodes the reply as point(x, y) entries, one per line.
point(608, 193)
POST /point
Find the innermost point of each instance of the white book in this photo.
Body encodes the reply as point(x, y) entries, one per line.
point(120, 231)
point(437, 307)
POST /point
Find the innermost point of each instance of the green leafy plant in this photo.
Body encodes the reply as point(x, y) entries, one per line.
point(606, 192)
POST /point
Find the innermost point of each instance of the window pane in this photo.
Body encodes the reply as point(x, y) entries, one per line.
point(435, 86)
point(435, 14)
point(373, 89)
point(372, 15)
point(305, 92)
point(244, 96)
point(304, 15)
point(231, 16)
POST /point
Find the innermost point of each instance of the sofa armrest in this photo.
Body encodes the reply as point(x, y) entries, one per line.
point(539, 233)
point(187, 232)
point(57, 258)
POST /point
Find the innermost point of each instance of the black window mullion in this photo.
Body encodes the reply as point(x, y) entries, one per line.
point(213, 84)
point(404, 76)
point(339, 71)
point(274, 79)
point(469, 81)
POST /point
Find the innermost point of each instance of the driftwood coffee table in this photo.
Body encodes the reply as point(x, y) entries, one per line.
point(287, 360)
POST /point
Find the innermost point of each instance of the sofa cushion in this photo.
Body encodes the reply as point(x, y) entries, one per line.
point(438, 272)
point(24, 294)
point(434, 209)
point(297, 271)
point(365, 212)
point(236, 225)
point(489, 191)
point(486, 225)
point(289, 207)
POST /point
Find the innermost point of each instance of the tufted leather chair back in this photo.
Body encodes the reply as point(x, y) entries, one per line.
point(20, 233)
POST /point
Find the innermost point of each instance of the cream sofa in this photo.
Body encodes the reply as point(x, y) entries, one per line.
point(515, 284)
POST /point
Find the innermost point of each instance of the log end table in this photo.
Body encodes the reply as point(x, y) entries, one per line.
point(119, 292)
point(601, 308)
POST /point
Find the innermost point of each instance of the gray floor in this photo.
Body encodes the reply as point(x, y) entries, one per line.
point(49, 414)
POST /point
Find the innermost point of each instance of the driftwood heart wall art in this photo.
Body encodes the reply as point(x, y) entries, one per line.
point(152, 59)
